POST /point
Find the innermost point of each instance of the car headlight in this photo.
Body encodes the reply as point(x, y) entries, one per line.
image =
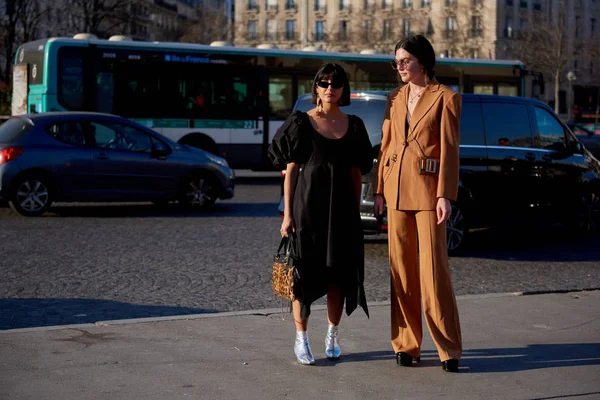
point(218, 160)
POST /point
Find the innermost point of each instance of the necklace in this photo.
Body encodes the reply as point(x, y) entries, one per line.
point(416, 96)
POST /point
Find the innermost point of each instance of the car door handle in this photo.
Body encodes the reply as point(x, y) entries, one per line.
point(102, 156)
point(530, 156)
point(547, 157)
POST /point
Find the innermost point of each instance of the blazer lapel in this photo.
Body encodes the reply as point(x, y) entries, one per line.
point(399, 109)
point(430, 96)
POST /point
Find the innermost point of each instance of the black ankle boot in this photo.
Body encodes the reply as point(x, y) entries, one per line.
point(405, 359)
point(450, 365)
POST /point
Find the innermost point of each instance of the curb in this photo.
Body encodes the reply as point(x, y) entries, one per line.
point(267, 312)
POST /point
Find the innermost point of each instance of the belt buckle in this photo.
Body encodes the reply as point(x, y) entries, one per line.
point(431, 165)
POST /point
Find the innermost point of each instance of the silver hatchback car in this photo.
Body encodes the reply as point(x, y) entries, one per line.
point(83, 156)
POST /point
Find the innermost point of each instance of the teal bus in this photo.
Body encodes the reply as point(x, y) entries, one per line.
point(225, 99)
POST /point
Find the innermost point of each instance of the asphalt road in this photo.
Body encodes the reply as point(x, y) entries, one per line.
point(87, 263)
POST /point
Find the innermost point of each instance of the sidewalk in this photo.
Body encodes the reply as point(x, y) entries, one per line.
point(544, 346)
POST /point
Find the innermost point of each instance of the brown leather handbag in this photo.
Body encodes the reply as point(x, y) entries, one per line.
point(282, 280)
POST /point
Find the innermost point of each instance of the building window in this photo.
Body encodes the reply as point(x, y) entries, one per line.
point(271, 31)
point(290, 31)
point(406, 27)
point(578, 27)
point(509, 3)
point(290, 4)
point(425, 3)
point(450, 27)
point(345, 5)
point(272, 5)
point(367, 27)
point(252, 5)
point(476, 30)
point(386, 31)
point(387, 4)
point(508, 27)
point(406, 3)
point(537, 5)
point(343, 33)
point(320, 5)
point(369, 4)
point(474, 53)
point(429, 27)
point(252, 30)
point(523, 4)
point(593, 27)
point(319, 31)
point(450, 3)
point(476, 2)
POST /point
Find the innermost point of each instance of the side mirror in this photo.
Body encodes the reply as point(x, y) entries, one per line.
point(159, 153)
point(576, 147)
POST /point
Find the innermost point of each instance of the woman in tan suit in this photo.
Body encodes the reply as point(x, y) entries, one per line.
point(417, 178)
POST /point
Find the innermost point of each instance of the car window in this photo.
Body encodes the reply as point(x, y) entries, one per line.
point(68, 132)
point(506, 124)
point(12, 129)
point(471, 125)
point(118, 136)
point(371, 111)
point(551, 132)
point(160, 145)
point(137, 140)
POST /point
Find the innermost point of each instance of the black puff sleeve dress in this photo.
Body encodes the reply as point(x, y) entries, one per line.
point(325, 208)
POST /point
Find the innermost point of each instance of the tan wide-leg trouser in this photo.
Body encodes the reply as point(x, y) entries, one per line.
point(415, 239)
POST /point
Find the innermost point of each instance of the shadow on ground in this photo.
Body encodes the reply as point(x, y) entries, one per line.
point(29, 313)
point(501, 360)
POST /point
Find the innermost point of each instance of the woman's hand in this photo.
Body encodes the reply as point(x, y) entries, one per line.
point(378, 206)
point(287, 226)
point(443, 210)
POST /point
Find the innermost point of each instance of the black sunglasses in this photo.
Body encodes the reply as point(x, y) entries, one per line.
point(325, 84)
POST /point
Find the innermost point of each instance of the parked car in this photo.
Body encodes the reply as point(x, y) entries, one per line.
point(518, 161)
point(588, 138)
point(83, 156)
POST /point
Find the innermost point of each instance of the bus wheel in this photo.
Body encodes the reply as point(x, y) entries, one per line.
point(31, 196)
point(201, 142)
point(199, 191)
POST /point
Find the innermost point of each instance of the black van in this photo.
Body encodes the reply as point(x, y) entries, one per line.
point(518, 161)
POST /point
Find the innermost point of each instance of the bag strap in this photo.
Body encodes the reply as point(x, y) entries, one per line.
point(282, 244)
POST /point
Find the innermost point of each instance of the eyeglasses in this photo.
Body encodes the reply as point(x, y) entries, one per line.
point(325, 84)
point(400, 64)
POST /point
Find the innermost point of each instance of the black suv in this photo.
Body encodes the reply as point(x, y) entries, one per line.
point(518, 161)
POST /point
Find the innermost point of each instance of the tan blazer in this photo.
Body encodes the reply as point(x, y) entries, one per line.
point(433, 133)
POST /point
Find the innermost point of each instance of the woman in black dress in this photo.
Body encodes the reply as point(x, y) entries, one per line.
point(324, 152)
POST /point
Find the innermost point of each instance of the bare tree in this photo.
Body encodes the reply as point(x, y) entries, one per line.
point(546, 44)
point(101, 17)
point(463, 28)
point(211, 24)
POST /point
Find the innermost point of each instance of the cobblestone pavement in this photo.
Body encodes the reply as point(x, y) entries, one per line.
point(84, 263)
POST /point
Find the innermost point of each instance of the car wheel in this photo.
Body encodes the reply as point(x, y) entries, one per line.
point(456, 230)
point(31, 197)
point(588, 213)
point(199, 192)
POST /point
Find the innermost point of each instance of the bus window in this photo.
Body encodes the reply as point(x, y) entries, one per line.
point(70, 78)
point(483, 88)
point(304, 85)
point(104, 92)
point(506, 89)
point(280, 97)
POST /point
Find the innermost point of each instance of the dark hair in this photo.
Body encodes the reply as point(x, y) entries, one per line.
point(336, 73)
point(420, 47)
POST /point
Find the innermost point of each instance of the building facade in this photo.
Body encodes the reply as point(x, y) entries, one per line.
point(480, 29)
